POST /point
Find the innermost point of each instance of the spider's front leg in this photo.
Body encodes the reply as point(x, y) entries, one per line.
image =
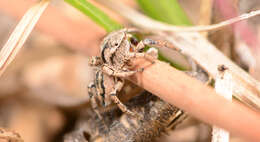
point(113, 95)
point(94, 105)
point(155, 43)
point(150, 57)
point(152, 53)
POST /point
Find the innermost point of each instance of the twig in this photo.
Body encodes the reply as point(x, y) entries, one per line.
point(205, 13)
point(198, 48)
point(20, 34)
point(155, 25)
point(197, 99)
point(223, 86)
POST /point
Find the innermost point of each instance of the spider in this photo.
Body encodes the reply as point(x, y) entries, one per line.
point(114, 64)
point(117, 50)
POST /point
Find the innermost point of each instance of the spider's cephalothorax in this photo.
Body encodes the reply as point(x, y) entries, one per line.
point(104, 89)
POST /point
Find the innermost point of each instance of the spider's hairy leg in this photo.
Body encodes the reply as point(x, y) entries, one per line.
point(115, 99)
point(91, 93)
point(153, 52)
point(122, 107)
point(147, 56)
point(156, 43)
point(95, 61)
point(119, 73)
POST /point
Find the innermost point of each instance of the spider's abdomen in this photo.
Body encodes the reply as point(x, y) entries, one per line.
point(104, 86)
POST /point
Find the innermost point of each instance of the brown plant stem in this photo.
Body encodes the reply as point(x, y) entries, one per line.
point(197, 99)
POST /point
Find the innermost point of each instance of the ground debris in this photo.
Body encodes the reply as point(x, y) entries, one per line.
point(157, 117)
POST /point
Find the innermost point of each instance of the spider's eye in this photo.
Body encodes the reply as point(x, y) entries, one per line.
point(134, 41)
point(116, 44)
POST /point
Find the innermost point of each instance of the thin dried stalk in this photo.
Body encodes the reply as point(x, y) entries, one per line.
point(197, 99)
point(205, 54)
point(20, 34)
point(155, 25)
point(223, 86)
point(199, 49)
point(205, 13)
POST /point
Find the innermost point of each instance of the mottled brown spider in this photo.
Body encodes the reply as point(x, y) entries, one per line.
point(117, 50)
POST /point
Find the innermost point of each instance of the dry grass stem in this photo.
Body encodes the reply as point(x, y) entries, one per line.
point(186, 93)
point(244, 91)
point(205, 13)
point(155, 25)
point(223, 86)
point(20, 34)
point(205, 54)
point(198, 48)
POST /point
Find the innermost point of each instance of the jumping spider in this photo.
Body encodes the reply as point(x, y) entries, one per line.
point(117, 50)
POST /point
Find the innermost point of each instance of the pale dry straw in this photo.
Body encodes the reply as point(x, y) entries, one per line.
point(20, 34)
point(224, 87)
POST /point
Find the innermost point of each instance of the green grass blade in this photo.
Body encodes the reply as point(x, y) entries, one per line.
point(168, 11)
point(95, 14)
